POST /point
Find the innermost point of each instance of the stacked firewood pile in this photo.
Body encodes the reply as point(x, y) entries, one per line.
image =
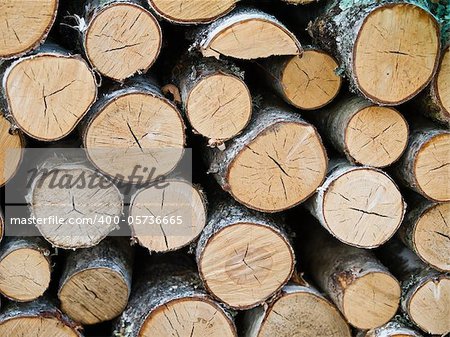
point(318, 137)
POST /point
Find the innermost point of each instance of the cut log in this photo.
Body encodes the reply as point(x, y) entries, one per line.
point(134, 134)
point(365, 133)
point(243, 257)
point(119, 37)
point(391, 329)
point(425, 165)
point(39, 90)
point(24, 25)
point(389, 50)
point(25, 268)
point(11, 151)
point(246, 34)
point(425, 291)
point(78, 206)
point(192, 11)
point(360, 206)
point(170, 301)
point(299, 310)
point(426, 231)
point(215, 98)
point(169, 218)
point(40, 318)
point(96, 282)
point(307, 82)
point(275, 164)
point(360, 286)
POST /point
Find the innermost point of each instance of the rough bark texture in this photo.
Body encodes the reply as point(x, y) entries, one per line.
point(225, 213)
point(337, 29)
point(414, 275)
point(393, 328)
point(21, 276)
point(205, 36)
point(43, 309)
point(158, 285)
point(112, 254)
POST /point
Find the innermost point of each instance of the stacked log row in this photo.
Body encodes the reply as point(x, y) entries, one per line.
point(365, 133)
point(39, 90)
point(360, 206)
point(81, 199)
point(177, 212)
point(276, 163)
point(134, 133)
point(119, 38)
point(361, 287)
point(425, 291)
point(386, 63)
point(298, 309)
point(25, 25)
point(169, 299)
point(243, 257)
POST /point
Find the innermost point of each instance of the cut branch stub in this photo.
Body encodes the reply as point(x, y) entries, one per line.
point(247, 34)
point(360, 206)
point(243, 257)
point(177, 213)
point(426, 231)
point(307, 82)
point(435, 101)
point(365, 133)
point(134, 130)
point(425, 292)
point(39, 90)
point(361, 287)
point(121, 38)
point(11, 151)
point(25, 268)
point(425, 165)
point(299, 310)
point(40, 318)
point(81, 198)
point(275, 164)
point(388, 49)
point(170, 301)
point(96, 282)
point(215, 98)
point(192, 11)
point(24, 25)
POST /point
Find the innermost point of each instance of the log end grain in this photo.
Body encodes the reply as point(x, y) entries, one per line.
point(188, 317)
point(363, 207)
point(94, 295)
point(376, 136)
point(309, 82)
point(250, 35)
point(219, 106)
point(39, 326)
point(11, 151)
point(443, 84)
point(191, 12)
point(303, 313)
point(396, 52)
point(40, 91)
point(432, 167)
point(245, 263)
point(24, 25)
point(371, 300)
point(431, 236)
point(279, 168)
point(144, 130)
point(429, 306)
point(85, 207)
point(25, 274)
point(184, 208)
point(122, 40)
